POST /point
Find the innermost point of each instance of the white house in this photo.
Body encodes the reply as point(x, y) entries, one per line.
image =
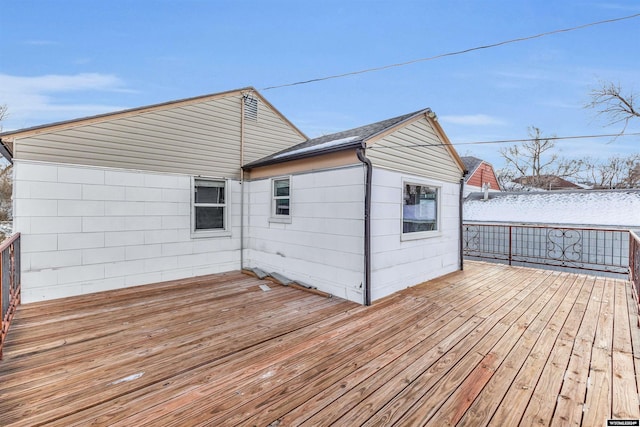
point(159, 193)
point(366, 212)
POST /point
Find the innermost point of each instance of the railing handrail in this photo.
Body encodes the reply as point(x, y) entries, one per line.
point(8, 242)
point(532, 225)
point(515, 242)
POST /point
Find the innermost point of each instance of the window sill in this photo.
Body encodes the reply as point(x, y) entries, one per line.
point(280, 220)
point(420, 235)
point(210, 234)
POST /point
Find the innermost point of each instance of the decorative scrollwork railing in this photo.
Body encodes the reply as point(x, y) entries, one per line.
point(587, 249)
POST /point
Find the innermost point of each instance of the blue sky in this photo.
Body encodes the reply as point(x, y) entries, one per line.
point(68, 59)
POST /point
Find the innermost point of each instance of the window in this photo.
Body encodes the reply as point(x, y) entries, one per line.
point(420, 208)
point(280, 204)
point(209, 205)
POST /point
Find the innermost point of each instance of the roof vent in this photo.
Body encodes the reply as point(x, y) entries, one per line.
point(250, 108)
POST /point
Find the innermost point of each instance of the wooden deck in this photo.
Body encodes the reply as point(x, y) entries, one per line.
point(493, 345)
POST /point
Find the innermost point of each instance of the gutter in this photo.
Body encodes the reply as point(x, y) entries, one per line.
point(242, 101)
point(367, 223)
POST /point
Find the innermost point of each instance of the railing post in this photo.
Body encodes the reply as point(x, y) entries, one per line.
point(510, 244)
point(631, 253)
point(634, 257)
point(2, 313)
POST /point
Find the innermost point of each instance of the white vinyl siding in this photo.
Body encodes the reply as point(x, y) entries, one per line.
point(396, 262)
point(323, 244)
point(87, 229)
point(268, 135)
point(198, 139)
point(416, 149)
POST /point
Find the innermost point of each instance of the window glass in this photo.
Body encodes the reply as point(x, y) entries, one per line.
point(281, 197)
point(209, 205)
point(420, 209)
point(281, 187)
point(210, 194)
point(209, 218)
point(282, 207)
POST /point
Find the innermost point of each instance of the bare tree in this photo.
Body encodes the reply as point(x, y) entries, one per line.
point(6, 183)
point(6, 190)
point(536, 160)
point(614, 172)
point(609, 100)
point(631, 177)
point(3, 114)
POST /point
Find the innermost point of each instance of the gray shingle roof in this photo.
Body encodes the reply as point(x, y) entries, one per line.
point(471, 164)
point(335, 142)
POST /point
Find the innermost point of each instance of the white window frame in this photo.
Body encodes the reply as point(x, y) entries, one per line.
point(217, 232)
point(273, 217)
point(415, 235)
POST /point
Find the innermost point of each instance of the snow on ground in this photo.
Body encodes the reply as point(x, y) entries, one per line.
point(610, 208)
point(6, 227)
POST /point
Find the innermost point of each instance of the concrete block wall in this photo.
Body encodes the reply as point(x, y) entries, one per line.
point(87, 229)
point(398, 264)
point(323, 243)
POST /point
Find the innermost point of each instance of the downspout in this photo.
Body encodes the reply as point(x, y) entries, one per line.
point(242, 100)
point(461, 229)
point(367, 223)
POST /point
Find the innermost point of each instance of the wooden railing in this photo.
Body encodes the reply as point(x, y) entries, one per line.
point(10, 283)
point(634, 268)
point(583, 249)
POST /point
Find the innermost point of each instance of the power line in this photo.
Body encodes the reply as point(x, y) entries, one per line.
point(460, 52)
point(504, 141)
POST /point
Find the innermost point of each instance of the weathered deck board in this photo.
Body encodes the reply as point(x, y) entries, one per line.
point(510, 399)
point(625, 406)
point(492, 345)
point(599, 394)
point(542, 403)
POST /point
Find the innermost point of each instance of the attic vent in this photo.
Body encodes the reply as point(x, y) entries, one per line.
point(250, 108)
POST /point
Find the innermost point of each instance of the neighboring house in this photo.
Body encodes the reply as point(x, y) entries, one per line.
point(479, 174)
point(609, 208)
point(159, 193)
point(547, 182)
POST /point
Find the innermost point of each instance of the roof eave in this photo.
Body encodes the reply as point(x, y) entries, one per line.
point(139, 110)
point(305, 155)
